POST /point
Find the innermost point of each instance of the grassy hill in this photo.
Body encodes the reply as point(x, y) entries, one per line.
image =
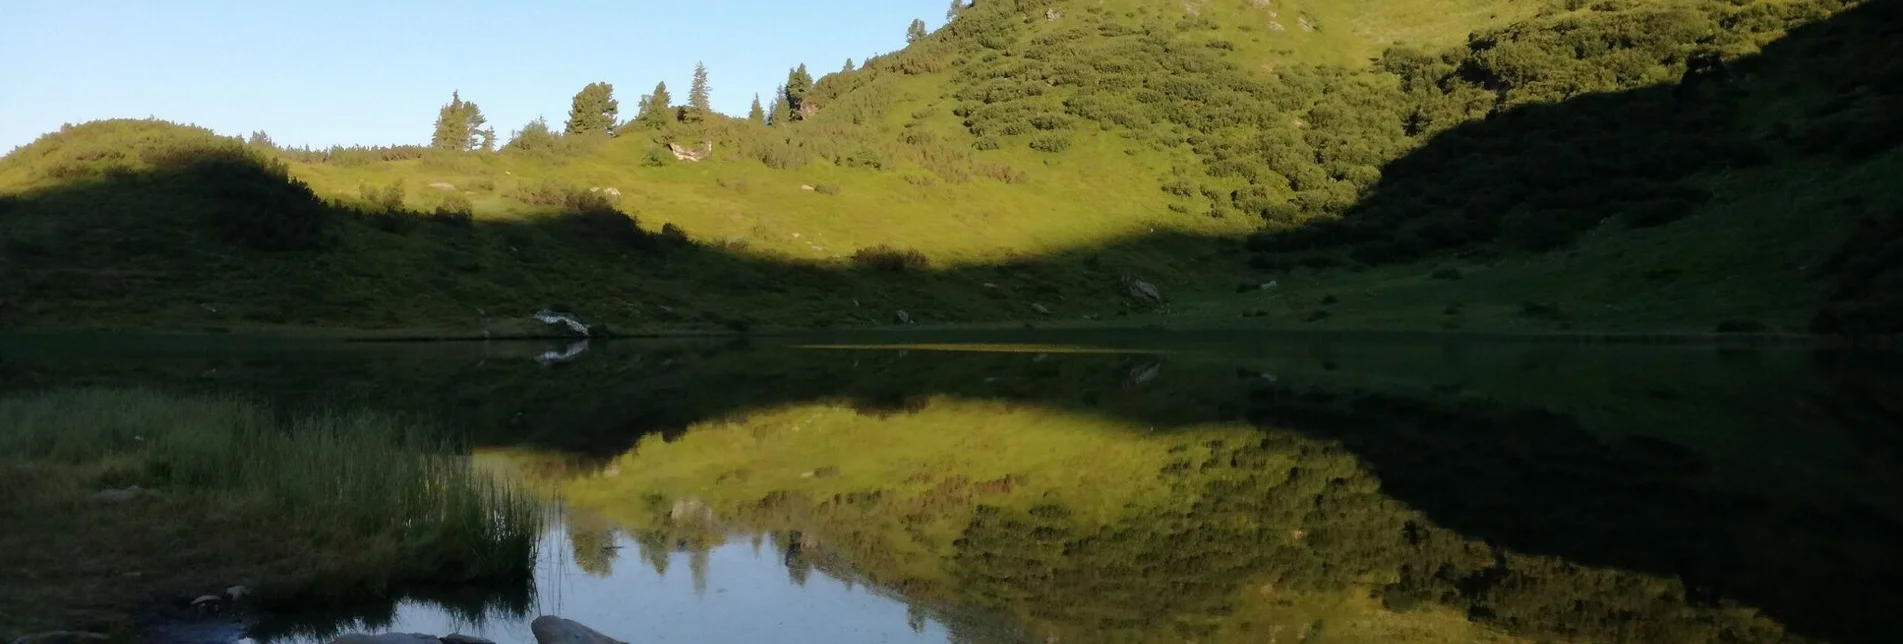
point(1624, 165)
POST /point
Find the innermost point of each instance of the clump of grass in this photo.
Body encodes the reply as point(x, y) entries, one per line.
point(887, 258)
point(339, 503)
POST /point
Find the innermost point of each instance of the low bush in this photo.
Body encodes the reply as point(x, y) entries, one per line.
point(887, 258)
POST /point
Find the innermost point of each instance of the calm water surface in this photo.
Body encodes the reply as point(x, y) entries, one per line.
point(1133, 488)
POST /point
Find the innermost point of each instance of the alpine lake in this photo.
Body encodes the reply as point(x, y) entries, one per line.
point(1076, 487)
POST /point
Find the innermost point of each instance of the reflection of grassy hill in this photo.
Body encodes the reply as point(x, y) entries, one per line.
point(901, 496)
point(1100, 532)
point(1048, 147)
point(1664, 463)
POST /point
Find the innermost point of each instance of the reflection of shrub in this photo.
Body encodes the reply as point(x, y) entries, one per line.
point(1742, 326)
point(887, 258)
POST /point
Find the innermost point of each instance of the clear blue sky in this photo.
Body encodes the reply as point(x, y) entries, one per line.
point(374, 72)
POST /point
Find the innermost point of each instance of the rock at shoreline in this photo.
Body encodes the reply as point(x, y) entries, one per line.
point(386, 638)
point(549, 629)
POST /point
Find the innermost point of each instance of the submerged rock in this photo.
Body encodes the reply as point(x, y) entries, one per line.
point(62, 637)
point(118, 496)
point(549, 629)
point(459, 638)
point(386, 638)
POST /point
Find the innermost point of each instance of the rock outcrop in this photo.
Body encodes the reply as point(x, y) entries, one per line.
point(695, 155)
point(1142, 290)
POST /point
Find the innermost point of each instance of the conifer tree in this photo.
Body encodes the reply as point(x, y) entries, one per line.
point(782, 111)
point(798, 82)
point(916, 31)
point(459, 125)
point(848, 66)
point(593, 110)
point(756, 114)
point(698, 106)
point(655, 107)
point(956, 7)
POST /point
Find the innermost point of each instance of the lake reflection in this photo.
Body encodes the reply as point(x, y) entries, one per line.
point(733, 592)
point(1210, 490)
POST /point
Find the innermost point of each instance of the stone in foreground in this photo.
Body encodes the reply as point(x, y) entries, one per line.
point(549, 629)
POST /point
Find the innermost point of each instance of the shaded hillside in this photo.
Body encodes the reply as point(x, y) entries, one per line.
point(1739, 173)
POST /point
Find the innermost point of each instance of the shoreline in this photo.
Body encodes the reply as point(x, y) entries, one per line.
point(279, 335)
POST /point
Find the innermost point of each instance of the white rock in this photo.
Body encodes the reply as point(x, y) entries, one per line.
point(237, 592)
point(206, 599)
point(549, 629)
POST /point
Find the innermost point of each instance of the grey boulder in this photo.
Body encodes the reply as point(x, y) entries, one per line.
point(549, 629)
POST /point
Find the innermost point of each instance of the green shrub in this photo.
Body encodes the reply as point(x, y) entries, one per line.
point(455, 209)
point(1052, 143)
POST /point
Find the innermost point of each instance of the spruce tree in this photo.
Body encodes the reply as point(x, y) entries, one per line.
point(956, 7)
point(798, 83)
point(593, 110)
point(698, 106)
point(848, 66)
point(756, 114)
point(458, 126)
point(655, 107)
point(916, 31)
point(782, 112)
point(452, 126)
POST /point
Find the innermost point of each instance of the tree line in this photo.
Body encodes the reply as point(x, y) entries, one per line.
point(595, 112)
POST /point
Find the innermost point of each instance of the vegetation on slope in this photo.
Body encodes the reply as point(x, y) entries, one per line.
point(1372, 143)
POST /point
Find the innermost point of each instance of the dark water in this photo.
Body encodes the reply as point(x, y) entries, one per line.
point(1139, 488)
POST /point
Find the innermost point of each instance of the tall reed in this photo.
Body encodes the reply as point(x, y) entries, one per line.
point(375, 480)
